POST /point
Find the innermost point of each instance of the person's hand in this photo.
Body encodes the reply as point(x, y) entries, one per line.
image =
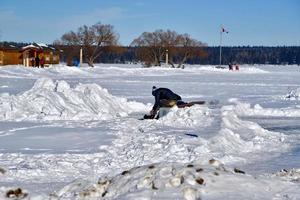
point(152, 112)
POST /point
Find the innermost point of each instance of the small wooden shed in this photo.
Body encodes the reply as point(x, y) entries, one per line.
point(30, 52)
point(12, 55)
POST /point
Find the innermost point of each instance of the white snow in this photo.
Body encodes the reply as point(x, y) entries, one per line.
point(294, 94)
point(42, 44)
point(245, 109)
point(74, 133)
point(291, 174)
point(184, 181)
point(48, 100)
point(29, 46)
point(244, 69)
point(196, 116)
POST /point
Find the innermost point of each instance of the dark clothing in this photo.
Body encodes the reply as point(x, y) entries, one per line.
point(163, 94)
point(42, 62)
point(37, 61)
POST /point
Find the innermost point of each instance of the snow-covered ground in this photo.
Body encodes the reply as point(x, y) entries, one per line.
point(75, 133)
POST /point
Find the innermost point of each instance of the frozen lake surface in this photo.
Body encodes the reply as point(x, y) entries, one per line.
point(74, 133)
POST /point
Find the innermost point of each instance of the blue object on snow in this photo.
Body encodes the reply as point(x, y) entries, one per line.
point(75, 62)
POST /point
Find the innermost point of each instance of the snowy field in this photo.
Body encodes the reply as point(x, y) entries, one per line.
point(74, 133)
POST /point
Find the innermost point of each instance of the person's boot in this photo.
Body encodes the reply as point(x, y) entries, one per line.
point(149, 116)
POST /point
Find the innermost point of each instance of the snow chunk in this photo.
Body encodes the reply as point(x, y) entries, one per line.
point(291, 175)
point(44, 83)
point(49, 100)
point(18, 193)
point(294, 94)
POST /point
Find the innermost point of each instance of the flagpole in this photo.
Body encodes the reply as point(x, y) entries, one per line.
point(80, 57)
point(221, 46)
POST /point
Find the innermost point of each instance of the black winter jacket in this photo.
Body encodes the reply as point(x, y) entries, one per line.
point(163, 93)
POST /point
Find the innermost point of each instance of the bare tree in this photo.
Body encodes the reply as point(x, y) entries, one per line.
point(188, 47)
point(152, 47)
point(170, 41)
point(93, 39)
point(68, 50)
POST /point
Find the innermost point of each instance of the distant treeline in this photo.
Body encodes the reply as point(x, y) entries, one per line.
point(241, 55)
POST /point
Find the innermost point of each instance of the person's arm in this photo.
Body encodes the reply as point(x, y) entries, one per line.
point(156, 104)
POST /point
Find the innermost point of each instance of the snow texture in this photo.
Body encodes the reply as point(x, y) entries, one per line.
point(48, 100)
point(73, 133)
point(294, 94)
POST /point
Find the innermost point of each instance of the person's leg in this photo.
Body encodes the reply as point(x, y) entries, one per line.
point(167, 103)
point(181, 104)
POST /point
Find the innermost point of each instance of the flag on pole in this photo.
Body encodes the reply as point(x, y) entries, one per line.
point(223, 30)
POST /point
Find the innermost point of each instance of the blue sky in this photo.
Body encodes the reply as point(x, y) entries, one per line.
point(249, 22)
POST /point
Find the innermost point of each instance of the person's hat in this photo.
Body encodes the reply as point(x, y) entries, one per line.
point(153, 90)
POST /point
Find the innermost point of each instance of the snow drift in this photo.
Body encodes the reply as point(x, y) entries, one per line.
point(108, 70)
point(245, 136)
point(245, 109)
point(240, 141)
point(245, 69)
point(189, 181)
point(294, 94)
point(192, 117)
point(49, 100)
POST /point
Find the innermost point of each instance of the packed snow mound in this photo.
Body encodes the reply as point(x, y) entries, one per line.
point(49, 100)
point(294, 94)
point(243, 69)
point(246, 136)
point(189, 181)
point(194, 116)
point(19, 71)
point(290, 175)
point(239, 139)
point(245, 109)
point(101, 70)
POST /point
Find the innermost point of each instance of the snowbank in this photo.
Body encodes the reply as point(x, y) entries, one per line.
point(243, 69)
point(290, 175)
point(245, 136)
point(245, 109)
point(294, 94)
point(55, 71)
point(158, 181)
point(101, 70)
point(48, 100)
point(240, 141)
point(188, 181)
point(192, 117)
point(237, 140)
